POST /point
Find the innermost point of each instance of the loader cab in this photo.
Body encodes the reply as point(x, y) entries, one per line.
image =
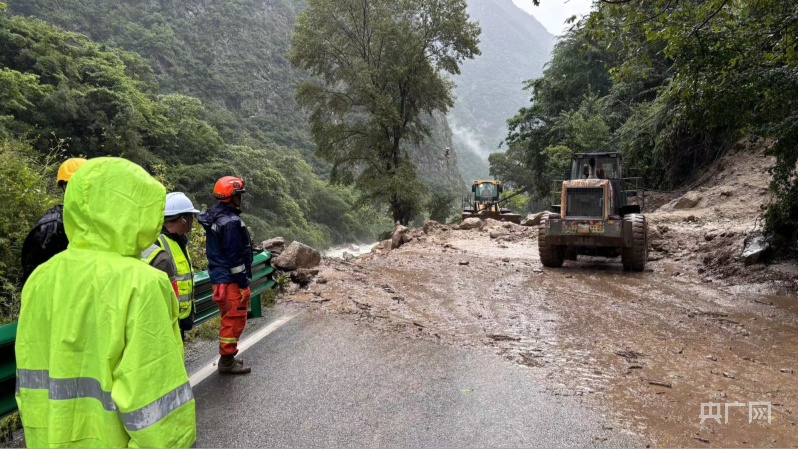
point(486, 191)
point(601, 166)
point(608, 163)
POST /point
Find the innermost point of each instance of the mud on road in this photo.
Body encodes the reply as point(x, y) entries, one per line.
point(647, 348)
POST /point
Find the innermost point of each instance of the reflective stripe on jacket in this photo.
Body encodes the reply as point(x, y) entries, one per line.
point(228, 246)
point(183, 277)
point(98, 349)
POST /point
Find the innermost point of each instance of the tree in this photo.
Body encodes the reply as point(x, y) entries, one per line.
point(377, 67)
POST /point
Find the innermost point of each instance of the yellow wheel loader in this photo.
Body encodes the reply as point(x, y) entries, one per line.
point(599, 213)
point(484, 202)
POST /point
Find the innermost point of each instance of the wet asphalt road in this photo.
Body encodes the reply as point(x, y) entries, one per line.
point(325, 381)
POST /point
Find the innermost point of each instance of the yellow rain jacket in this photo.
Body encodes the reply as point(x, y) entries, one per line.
point(99, 354)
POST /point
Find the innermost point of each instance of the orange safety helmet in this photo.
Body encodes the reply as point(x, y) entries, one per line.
point(67, 169)
point(227, 187)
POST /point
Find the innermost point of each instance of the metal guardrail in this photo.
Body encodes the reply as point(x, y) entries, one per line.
point(8, 368)
point(206, 309)
point(261, 281)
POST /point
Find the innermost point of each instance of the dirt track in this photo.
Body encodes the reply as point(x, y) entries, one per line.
point(648, 348)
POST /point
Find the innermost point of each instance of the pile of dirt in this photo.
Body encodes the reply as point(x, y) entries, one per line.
point(704, 228)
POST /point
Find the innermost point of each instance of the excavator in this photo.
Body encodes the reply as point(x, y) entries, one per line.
point(484, 202)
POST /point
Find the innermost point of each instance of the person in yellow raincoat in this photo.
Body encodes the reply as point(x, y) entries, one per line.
point(99, 354)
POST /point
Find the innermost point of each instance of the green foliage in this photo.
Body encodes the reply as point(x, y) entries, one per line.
point(8, 425)
point(59, 88)
point(28, 190)
point(378, 69)
point(282, 281)
point(269, 298)
point(519, 204)
point(671, 85)
point(440, 207)
point(209, 330)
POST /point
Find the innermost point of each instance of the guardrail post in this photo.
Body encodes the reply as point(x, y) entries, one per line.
point(257, 312)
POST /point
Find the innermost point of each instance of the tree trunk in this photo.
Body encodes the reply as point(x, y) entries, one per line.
point(399, 212)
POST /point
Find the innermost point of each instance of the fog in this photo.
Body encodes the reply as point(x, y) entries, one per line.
point(553, 13)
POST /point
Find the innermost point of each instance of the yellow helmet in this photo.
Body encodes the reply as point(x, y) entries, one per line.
point(68, 168)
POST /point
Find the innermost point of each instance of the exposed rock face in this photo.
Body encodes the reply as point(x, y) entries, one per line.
point(491, 223)
point(433, 226)
point(498, 232)
point(383, 246)
point(297, 255)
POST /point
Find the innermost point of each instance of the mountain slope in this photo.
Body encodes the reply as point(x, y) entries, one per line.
point(233, 55)
point(515, 46)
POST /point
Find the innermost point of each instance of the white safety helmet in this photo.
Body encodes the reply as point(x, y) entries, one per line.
point(177, 203)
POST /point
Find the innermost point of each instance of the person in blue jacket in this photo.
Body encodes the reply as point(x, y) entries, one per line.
point(229, 250)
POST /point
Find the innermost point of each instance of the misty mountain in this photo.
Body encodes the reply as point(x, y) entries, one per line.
point(489, 91)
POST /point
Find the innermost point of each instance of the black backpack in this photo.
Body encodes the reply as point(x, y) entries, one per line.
point(45, 240)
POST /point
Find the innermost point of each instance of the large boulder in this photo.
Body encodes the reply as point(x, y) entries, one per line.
point(297, 255)
point(688, 201)
point(303, 276)
point(275, 246)
point(471, 223)
point(492, 223)
point(397, 239)
point(534, 219)
point(756, 247)
point(383, 246)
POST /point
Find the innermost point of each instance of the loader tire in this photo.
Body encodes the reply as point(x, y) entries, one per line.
point(634, 257)
point(551, 256)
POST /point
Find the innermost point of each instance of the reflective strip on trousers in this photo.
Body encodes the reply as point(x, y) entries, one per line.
point(228, 340)
point(238, 269)
point(86, 387)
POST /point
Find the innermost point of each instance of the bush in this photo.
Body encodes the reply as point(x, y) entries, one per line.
point(28, 190)
point(440, 206)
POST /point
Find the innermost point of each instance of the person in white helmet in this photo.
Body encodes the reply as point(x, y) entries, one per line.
point(170, 254)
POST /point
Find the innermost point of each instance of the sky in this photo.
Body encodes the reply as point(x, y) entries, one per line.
point(553, 13)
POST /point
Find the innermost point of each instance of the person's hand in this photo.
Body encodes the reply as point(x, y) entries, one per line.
point(246, 295)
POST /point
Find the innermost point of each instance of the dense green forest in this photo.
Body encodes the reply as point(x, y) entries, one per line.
point(672, 85)
point(233, 55)
point(64, 95)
